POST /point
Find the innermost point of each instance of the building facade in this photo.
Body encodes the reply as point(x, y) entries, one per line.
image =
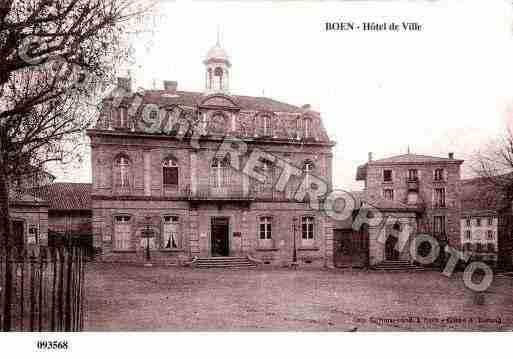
point(200, 174)
point(421, 191)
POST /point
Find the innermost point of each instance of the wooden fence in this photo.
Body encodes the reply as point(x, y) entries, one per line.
point(41, 289)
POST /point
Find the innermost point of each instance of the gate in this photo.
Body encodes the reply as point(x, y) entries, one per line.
point(41, 289)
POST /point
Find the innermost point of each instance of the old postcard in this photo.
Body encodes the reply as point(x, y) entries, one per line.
point(262, 166)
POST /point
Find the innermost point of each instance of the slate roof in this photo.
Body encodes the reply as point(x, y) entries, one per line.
point(413, 158)
point(192, 99)
point(65, 196)
point(409, 158)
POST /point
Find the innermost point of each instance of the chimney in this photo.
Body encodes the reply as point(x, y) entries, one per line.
point(125, 83)
point(370, 156)
point(451, 155)
point(170, 86)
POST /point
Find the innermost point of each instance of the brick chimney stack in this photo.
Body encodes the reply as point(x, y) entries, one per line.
point(451, 155)
point(370, 156)
point(170, 86)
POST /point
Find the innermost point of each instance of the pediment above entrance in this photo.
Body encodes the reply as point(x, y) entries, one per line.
point(219, 101)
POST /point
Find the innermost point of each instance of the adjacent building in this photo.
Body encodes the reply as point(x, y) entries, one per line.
point(418, 190)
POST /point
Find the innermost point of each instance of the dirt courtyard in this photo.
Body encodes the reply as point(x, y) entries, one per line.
point(137, 298)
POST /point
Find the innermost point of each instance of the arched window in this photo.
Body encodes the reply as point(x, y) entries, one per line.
point(170, 173)
point(218, 77)
point(219, 172)
point(122, 172)
point(209, 80)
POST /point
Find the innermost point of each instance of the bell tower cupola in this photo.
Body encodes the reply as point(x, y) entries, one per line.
point(217, 69)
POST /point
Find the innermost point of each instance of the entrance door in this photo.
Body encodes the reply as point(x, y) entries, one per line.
point(17, 233)
point(350, 248)
point(220, 237)
point(391, 254)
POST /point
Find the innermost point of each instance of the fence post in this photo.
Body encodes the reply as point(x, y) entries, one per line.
point(54, 255)
point(8, 290)
point(69, 262)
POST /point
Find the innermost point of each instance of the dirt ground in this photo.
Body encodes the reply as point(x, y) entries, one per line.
point(137, 298)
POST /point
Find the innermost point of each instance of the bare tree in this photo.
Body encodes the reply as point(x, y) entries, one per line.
point(56, 57)
point(493, 167)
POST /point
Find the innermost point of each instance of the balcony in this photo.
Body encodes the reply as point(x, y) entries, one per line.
point(207, 193)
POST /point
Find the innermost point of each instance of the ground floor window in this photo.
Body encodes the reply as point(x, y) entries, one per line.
point(265, 229)
point(171, 232)
point(32, 237)
point(122, 233)
point(307, 230)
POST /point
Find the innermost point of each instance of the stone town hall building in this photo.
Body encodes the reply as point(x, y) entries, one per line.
point(172, 191)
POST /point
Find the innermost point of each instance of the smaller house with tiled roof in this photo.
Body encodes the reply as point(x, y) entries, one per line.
point(69, 207)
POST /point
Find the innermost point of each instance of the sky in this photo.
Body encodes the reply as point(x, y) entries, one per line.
point(447, 88)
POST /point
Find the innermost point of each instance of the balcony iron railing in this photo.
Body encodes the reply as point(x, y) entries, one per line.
point(210, 193)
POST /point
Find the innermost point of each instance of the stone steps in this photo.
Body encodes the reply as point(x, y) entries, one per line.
point(398, 265)
point(224, 262)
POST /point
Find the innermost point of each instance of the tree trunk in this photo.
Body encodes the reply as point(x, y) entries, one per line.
point(4, 210)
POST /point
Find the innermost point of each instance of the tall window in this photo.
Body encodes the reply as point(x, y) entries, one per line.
point(32, 237)
point(308, 127)
point(170, 173)
point(478, 222)
point(439, 197)
point(388, 194)
point(267, 171)
point(122, 172)
point(467, 222)
point(171, 232)
point(468, 235)
point(265, 229)
point(307, 229)
point(122, 117)
point(490, 221)
point(308, 168)
point(439, 224)
point(122, 233)
point(266, 126)
point(439, 174)
point(413, 175)
point(218, 78)
point(387, 175)
point(219, 172)
point(489, 235)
